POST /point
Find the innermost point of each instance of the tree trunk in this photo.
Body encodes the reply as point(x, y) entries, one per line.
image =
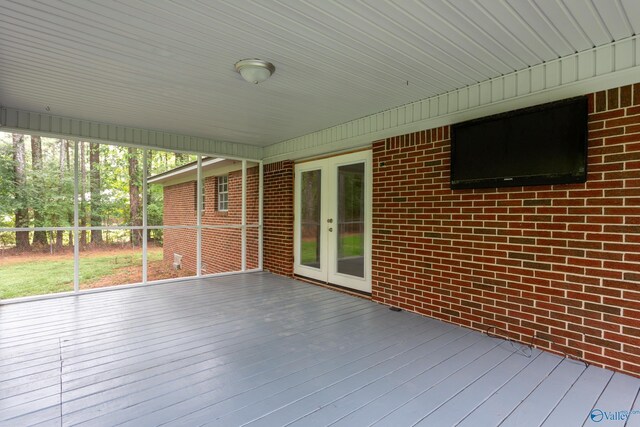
point(39, 237)
point(59, 235)
point(94, 183)
point(20, 178)
point(63, 161)
point(181, 159)
point(134, 196)
point(83, 191)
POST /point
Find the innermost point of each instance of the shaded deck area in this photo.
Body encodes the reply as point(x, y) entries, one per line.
point(261, 350)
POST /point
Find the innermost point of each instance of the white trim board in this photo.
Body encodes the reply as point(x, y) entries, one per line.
point(14, 120)
point(604, 67)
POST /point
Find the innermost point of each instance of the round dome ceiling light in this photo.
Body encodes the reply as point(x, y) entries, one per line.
point(255, 70)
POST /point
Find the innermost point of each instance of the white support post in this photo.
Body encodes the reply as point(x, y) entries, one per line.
point(76, 221)
point(145, 232)
point(260, 211)
point(244, 215)
point(199, 191)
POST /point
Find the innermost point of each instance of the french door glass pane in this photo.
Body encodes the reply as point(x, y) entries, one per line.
point(351, 220)
point(310, 219)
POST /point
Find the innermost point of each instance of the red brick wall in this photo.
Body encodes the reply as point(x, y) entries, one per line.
point(561, 262)
point(179, 209)
point(278, 218)
point(221, 248)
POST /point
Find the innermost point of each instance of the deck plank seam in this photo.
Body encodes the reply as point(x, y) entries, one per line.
point(243, 350)
point(530, 393)
point(319, 362)
point(445, 332)
point(487, 372)
point(501, 387)
point(635, 402)
point(405, 350)
point(450, 374)
point(91, 331)
point(198, 299)
point(379, 339)
point(443, 361)
point(60, 378)
point(573, 383)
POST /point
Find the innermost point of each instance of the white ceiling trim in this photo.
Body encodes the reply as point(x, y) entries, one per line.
point(600, 68)
point(168, 65)
point(604, 67)
point(14, 120)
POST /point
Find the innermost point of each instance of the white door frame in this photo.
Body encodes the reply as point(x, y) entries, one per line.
point(329, 209)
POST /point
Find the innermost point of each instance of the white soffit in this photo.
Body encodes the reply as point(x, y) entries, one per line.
point(605, 67)
point(168, 66)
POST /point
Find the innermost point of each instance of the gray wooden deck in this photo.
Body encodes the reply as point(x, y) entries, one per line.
point(262, 350)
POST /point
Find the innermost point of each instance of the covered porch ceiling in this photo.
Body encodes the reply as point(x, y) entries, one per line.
point(169, 66)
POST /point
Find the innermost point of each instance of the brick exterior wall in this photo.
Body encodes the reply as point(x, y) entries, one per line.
point(178, 209)
point(221, 248)
point(557, 263)
point(560, 262)
point(278, 218)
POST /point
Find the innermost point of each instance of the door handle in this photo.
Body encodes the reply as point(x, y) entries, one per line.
point(330, 228)
point(330, 220)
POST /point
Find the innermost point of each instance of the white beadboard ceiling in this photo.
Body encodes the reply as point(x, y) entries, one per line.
point(169, 65)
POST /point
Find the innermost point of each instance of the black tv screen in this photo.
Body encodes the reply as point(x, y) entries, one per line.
point(545, 144)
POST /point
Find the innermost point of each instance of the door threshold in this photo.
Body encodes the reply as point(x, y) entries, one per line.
point(343, 289)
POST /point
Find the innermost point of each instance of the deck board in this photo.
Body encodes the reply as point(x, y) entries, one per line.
point(446, 410)
point(619, 395)
point(219, 392)
point(541, 402)
point(412, 412)
point(580, 399)
point(499, 405)
point(262, 350)
point(202, 380)
point(335, 398)
point(358, 369)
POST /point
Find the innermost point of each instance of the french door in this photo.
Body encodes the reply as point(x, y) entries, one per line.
point(332, 229)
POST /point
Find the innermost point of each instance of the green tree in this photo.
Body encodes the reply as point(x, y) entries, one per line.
point(83, 212)
point(96, 196)
point(38, 191)
point(58, 188)
point(135, 202)
point(61, 165)
point(7, 191)
point(180, 158)
point(21, 211)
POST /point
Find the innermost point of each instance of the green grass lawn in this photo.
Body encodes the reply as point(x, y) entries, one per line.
point(351, 246)
point(40, 276)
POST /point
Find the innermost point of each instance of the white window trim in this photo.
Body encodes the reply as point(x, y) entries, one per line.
point(226, 193)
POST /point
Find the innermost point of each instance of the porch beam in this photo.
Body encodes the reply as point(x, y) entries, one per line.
point(14, 120)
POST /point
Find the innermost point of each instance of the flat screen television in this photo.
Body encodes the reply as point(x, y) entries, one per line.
point(545, 144)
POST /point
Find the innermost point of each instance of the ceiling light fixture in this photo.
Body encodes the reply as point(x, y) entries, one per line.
point(255, 70)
